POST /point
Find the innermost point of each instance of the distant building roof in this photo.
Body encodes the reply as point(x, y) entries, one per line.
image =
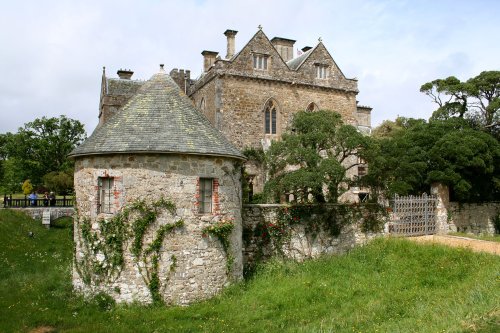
point(296, 62)
point(159, 118)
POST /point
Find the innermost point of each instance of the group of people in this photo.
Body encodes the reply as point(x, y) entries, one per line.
point(47, 199)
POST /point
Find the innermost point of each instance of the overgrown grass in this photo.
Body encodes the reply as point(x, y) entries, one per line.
point(491, 238)
point(388, 286)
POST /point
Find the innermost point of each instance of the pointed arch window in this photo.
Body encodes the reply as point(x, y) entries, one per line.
point(312, 107)
point(270, 117)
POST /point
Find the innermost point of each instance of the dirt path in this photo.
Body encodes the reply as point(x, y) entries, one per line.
point(475, 245)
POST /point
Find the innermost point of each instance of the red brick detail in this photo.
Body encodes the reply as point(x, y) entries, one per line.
point(215, 196)
point(197, 196)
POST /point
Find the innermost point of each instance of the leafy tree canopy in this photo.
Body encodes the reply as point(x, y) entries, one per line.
point(316, 153)
point(38, 148)
point(447, 151)
point(477, 99)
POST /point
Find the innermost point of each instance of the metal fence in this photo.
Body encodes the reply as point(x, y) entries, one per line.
point(9, 202)
point(413, 215)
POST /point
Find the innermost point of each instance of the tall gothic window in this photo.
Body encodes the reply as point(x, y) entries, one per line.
point(270, 117)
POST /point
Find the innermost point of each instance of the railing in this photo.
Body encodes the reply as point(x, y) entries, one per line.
point(9, 202)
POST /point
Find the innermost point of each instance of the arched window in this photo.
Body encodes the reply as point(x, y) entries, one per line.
point(270, 117)
point(312, 107)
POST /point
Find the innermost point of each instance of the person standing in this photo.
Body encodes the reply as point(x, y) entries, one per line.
point(33, 198)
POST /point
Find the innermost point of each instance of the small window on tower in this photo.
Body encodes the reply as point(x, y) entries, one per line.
point(105, 194)
point(205, 196)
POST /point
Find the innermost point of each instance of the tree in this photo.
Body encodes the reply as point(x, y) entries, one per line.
point(41, 147)
point(61, 182)
point(447, 151)
point(316, 153)
point(477, 99)
point(27, 187)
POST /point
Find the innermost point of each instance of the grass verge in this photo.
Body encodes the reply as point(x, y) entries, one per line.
point(491, 238)
point(390, 285)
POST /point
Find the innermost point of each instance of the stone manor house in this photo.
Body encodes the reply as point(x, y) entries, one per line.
point(251, 95)
point(177, 138)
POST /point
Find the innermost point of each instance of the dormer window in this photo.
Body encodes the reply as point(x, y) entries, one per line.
point(321, 71)
point(260, 62)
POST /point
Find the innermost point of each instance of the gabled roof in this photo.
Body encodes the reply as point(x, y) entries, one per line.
point(159, 118)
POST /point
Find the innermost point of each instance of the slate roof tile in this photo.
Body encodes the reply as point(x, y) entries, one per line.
point(159, 118)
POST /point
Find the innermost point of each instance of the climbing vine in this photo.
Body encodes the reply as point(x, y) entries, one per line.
point(103, 248)
point(222, 230)
point(314, 219)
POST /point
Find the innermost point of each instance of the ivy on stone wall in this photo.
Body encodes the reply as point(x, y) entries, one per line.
point(103, 246)
point(315, 219)
point(222, 230)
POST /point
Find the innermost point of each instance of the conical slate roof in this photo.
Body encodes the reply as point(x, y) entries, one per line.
point(158, 119)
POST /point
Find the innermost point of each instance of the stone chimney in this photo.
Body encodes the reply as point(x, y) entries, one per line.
point(125, 74)
point(306, 48)
point(208, 59)
point(284, 47)
point(230, 34)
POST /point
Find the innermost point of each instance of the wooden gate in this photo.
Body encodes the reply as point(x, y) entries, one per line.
point(413, 215)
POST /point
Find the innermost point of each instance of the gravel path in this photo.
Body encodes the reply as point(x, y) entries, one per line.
point(456, 241)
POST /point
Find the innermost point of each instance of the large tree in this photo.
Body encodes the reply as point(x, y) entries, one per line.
point(477, 99)
point(41, 147)
point(315, 154)
point(447, 151)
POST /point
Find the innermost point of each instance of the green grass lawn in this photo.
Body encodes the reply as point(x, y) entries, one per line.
point(491, 238)
point(390, 285)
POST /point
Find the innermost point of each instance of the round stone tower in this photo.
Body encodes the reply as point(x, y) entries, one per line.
point(158, 196)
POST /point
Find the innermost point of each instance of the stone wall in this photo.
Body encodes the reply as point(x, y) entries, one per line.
point(473, 218)
point(304, 242)
point(55, 212)
point(200, 262)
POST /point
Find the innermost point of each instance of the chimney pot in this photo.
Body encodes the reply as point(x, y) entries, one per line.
point(230, 34)
point(125, 74)
point(208, 59)
point(284, 46)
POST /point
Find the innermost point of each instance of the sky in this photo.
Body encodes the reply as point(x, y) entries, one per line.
point(52, 52)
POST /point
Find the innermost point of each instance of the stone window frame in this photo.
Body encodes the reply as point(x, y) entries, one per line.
point(322, 71)
point(207, 197)
point(312, 107)
point(261, 61)
point(270, 123)
point(105, 194)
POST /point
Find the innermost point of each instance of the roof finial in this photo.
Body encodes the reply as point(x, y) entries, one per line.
point(320, 39)
point(260, 27)
point(161, 68)
point(103, 70)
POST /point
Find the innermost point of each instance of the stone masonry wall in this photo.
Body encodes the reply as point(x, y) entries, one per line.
point(474, 218)
point(200, 269)
point(302, 245)
point(243, 102)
